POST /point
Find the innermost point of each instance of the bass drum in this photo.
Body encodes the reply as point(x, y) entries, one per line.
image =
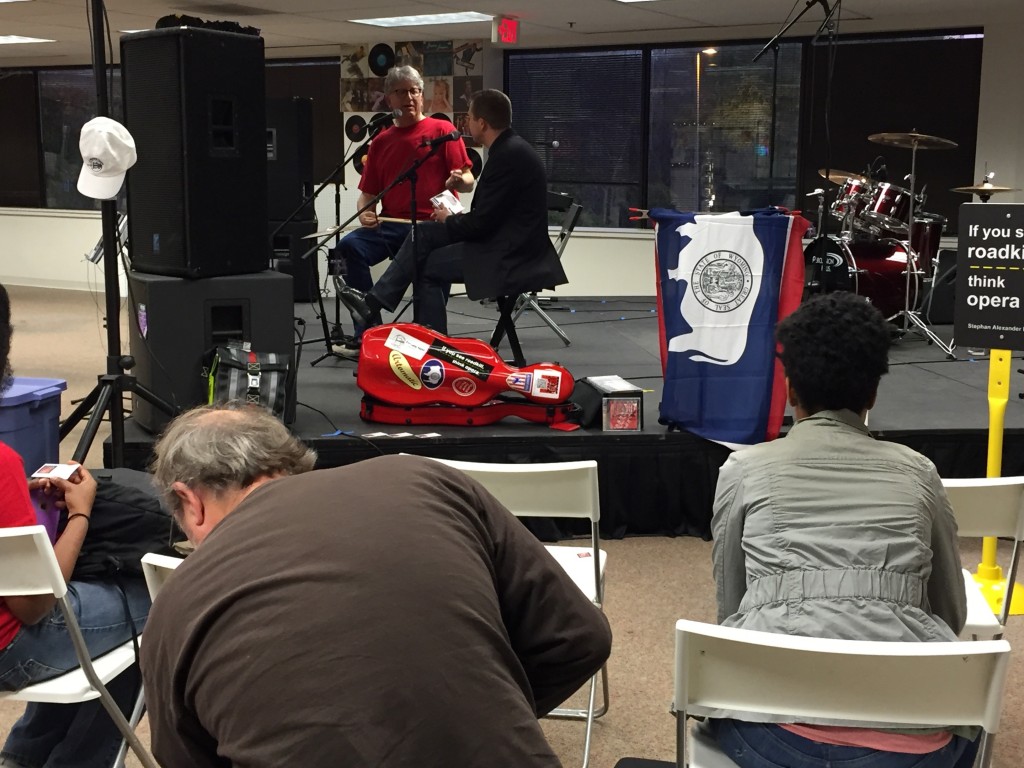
point(874, 270)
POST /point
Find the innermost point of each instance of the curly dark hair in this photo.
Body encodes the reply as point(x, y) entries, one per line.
point(835, 349)
point(6, 331)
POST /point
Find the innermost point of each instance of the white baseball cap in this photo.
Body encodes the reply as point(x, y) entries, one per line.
point(108, 151)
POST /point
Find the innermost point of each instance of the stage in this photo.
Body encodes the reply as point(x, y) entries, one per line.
point(654, 481)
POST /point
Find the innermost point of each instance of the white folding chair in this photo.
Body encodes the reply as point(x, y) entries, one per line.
point(561, 489)
point(29, 567)
point(157, 569)
point(905, 685)
point(988, 507)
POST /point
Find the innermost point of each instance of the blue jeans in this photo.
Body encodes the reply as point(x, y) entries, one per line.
point(433, 263)
point(766, 745)
point(80, 735)
point(364, 247)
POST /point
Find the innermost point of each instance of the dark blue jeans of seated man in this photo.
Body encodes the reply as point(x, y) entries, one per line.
point(73, 735)
point(766, 745)
point(439, 264)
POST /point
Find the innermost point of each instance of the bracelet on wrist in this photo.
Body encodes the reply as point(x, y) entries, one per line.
point(78, 514)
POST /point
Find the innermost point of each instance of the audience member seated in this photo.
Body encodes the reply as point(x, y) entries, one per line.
point(34, 642)
point(385, 613)
point(830, 533)
point(499, 247)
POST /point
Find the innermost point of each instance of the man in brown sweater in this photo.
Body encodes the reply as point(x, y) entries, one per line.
point(388, 613)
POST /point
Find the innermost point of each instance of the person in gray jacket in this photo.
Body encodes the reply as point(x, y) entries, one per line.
point(830, 533)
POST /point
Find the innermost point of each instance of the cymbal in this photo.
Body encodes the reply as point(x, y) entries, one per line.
point(912, 140)
point(838, 177)
point(984, 189)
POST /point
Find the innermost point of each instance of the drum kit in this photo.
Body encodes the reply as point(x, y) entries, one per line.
point(887, 244)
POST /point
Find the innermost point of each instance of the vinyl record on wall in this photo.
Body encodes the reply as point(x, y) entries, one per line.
point(355, 128)
point(476, 160)
point(359, 160)
point(382, 58)
point(379, 126)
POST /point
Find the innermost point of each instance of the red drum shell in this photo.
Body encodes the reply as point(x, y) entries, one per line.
point(888, 206)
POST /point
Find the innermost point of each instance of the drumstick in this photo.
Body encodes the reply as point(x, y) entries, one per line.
point(393, 219)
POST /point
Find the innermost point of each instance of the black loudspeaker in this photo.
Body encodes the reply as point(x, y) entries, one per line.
point(937, 306)
point(287, 248)
point(289, 158)
point(197, 197)
point(175, 321)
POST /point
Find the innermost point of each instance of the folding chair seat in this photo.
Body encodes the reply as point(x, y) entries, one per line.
point(904, 685)
point(28, 566)
point(988, 507)
point(557, 490)
point(512, 306)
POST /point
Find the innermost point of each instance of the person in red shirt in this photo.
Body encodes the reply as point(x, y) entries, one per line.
point(34, 643)
point(392, 152)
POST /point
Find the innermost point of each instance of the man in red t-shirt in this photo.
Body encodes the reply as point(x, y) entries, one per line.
point(391, 153)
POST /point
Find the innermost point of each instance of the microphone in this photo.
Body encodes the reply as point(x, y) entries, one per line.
point(452, 136)
point(553, 144)
point(385, 118)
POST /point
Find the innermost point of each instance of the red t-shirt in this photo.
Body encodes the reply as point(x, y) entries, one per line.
point(394, 150)
point(15, 510)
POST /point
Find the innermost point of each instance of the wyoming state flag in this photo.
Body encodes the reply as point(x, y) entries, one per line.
point(724, 281)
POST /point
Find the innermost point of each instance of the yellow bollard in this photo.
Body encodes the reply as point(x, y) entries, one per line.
point(989, 575)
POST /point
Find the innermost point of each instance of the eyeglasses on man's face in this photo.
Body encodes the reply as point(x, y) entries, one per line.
point(405, 92)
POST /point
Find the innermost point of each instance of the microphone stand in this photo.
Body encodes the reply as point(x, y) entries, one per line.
point(410, 174)
point(773, 44)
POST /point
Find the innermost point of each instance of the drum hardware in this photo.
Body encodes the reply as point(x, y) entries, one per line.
point(985, 189)
point(908, 315)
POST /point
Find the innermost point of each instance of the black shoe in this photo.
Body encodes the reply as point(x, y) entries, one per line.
point(348, 350)
point(356, 302)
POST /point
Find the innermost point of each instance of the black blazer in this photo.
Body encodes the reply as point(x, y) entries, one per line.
point(505, 233)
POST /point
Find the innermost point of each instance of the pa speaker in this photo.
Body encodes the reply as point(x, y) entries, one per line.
point(174, 322)
point(289, 158)
point(197, 198)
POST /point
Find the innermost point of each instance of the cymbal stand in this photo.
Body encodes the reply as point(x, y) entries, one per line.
point(910, 317)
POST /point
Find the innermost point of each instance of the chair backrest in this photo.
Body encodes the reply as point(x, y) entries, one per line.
point(29, 565)
point(899, 684)
point(987, 506)
point(157, 569)
point(558, 489)
point(572, 215)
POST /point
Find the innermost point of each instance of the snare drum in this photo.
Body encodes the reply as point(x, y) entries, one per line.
point(850, 198)
point(888, 206)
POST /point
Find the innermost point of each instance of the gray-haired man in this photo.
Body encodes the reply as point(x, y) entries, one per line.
point(387, 613)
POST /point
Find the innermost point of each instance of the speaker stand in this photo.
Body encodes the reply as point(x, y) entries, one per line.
point(108, 394)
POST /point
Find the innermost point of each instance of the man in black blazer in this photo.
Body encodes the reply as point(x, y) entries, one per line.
point(499, 247)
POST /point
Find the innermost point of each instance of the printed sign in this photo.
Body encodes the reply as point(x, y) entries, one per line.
point(990, 277)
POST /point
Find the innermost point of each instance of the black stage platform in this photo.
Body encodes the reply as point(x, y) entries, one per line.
point(653, 482)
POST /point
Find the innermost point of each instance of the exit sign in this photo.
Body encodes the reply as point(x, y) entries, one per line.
point(505, 30)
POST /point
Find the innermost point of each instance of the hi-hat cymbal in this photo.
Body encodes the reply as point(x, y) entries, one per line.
point(912, 140)
point(838, 177)
point(983, 189)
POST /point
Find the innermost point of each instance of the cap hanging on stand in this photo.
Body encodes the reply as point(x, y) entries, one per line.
point(108, 151)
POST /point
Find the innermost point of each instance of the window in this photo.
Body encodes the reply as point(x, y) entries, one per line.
point(590, 103)
point(699, 138)
point(711, 128)
point(67, 101)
